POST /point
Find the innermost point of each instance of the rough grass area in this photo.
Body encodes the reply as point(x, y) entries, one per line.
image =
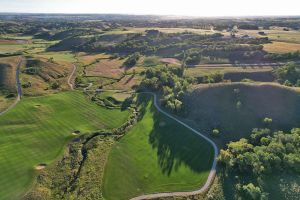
point(217, 106)
point(128, 82)
point(280, 35)
point(224, 68)
point(106, 68)
point(8, 72)
point(260, 76)
point(39, 73)
point(281, 47)
point(156, 155)
point(63, 56)
point(82, 177)
point(36, 130)
point(5, 102)
point(87, 59)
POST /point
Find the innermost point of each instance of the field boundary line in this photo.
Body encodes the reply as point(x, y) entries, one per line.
point(18, 87)
point(212, 172)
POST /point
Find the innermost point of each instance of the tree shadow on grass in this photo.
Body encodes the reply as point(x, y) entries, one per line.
point(177, 146)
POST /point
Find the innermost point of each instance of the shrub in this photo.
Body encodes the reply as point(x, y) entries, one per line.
point(238, 105)
point(215, 133)
point(10, 95)
point(55, 85)
point(26, 85)
point(132, 60)
point(267, 121)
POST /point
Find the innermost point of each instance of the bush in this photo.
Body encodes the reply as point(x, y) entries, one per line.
point(132, 60)
point(250, 191)
point(26, 85)
point(239, 105)
point(55, 85)
point(215, 133)
point(10, 95)
point(267, 121)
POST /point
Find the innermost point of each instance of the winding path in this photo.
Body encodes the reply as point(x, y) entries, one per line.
point(71, 76)
point(212, 171)
point(18, 85)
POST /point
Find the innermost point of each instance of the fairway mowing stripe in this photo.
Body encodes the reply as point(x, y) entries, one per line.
point(87, 109)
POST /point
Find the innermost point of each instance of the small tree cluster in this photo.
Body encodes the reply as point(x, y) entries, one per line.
point(169, 82)
point(132, 60)
point(288, 75)
point(264, 152)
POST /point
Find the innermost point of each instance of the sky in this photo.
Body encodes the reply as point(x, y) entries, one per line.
point(157, 7)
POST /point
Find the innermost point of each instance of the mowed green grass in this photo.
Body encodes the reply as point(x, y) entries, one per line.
point(37, 129)
point(156, 155)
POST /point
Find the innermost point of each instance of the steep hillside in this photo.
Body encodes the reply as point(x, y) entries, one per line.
point(235, 109)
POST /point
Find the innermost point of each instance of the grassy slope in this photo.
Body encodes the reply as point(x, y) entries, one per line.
point(156, 155)
point(215, 106)
point(8, 72)
point(36, 130)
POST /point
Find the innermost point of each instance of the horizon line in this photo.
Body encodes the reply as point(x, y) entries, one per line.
point(137, 14)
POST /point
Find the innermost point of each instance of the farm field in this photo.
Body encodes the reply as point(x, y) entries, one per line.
point(156, 155)
point(86, 59)
point(236, 108)
point(63, 56)
point(36, 131)
point(106, 68)
point(209, 69)
point(282, 47)
point(275, 35)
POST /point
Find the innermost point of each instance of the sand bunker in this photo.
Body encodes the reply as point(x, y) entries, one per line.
point(40, 167)
point(76, 133)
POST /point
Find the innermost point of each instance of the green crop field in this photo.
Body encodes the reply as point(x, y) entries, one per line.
point(37, 129)
point(156, 155)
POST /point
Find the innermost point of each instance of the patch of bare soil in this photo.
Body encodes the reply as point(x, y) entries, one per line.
point(170, 61)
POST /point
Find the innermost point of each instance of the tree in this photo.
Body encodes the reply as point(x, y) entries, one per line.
point(267, 121)
point(251, 192)
point(215, 133)
point(132, 60)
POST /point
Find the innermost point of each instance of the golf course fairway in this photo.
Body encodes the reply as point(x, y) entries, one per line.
point(36, 131)
point(157, 155)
